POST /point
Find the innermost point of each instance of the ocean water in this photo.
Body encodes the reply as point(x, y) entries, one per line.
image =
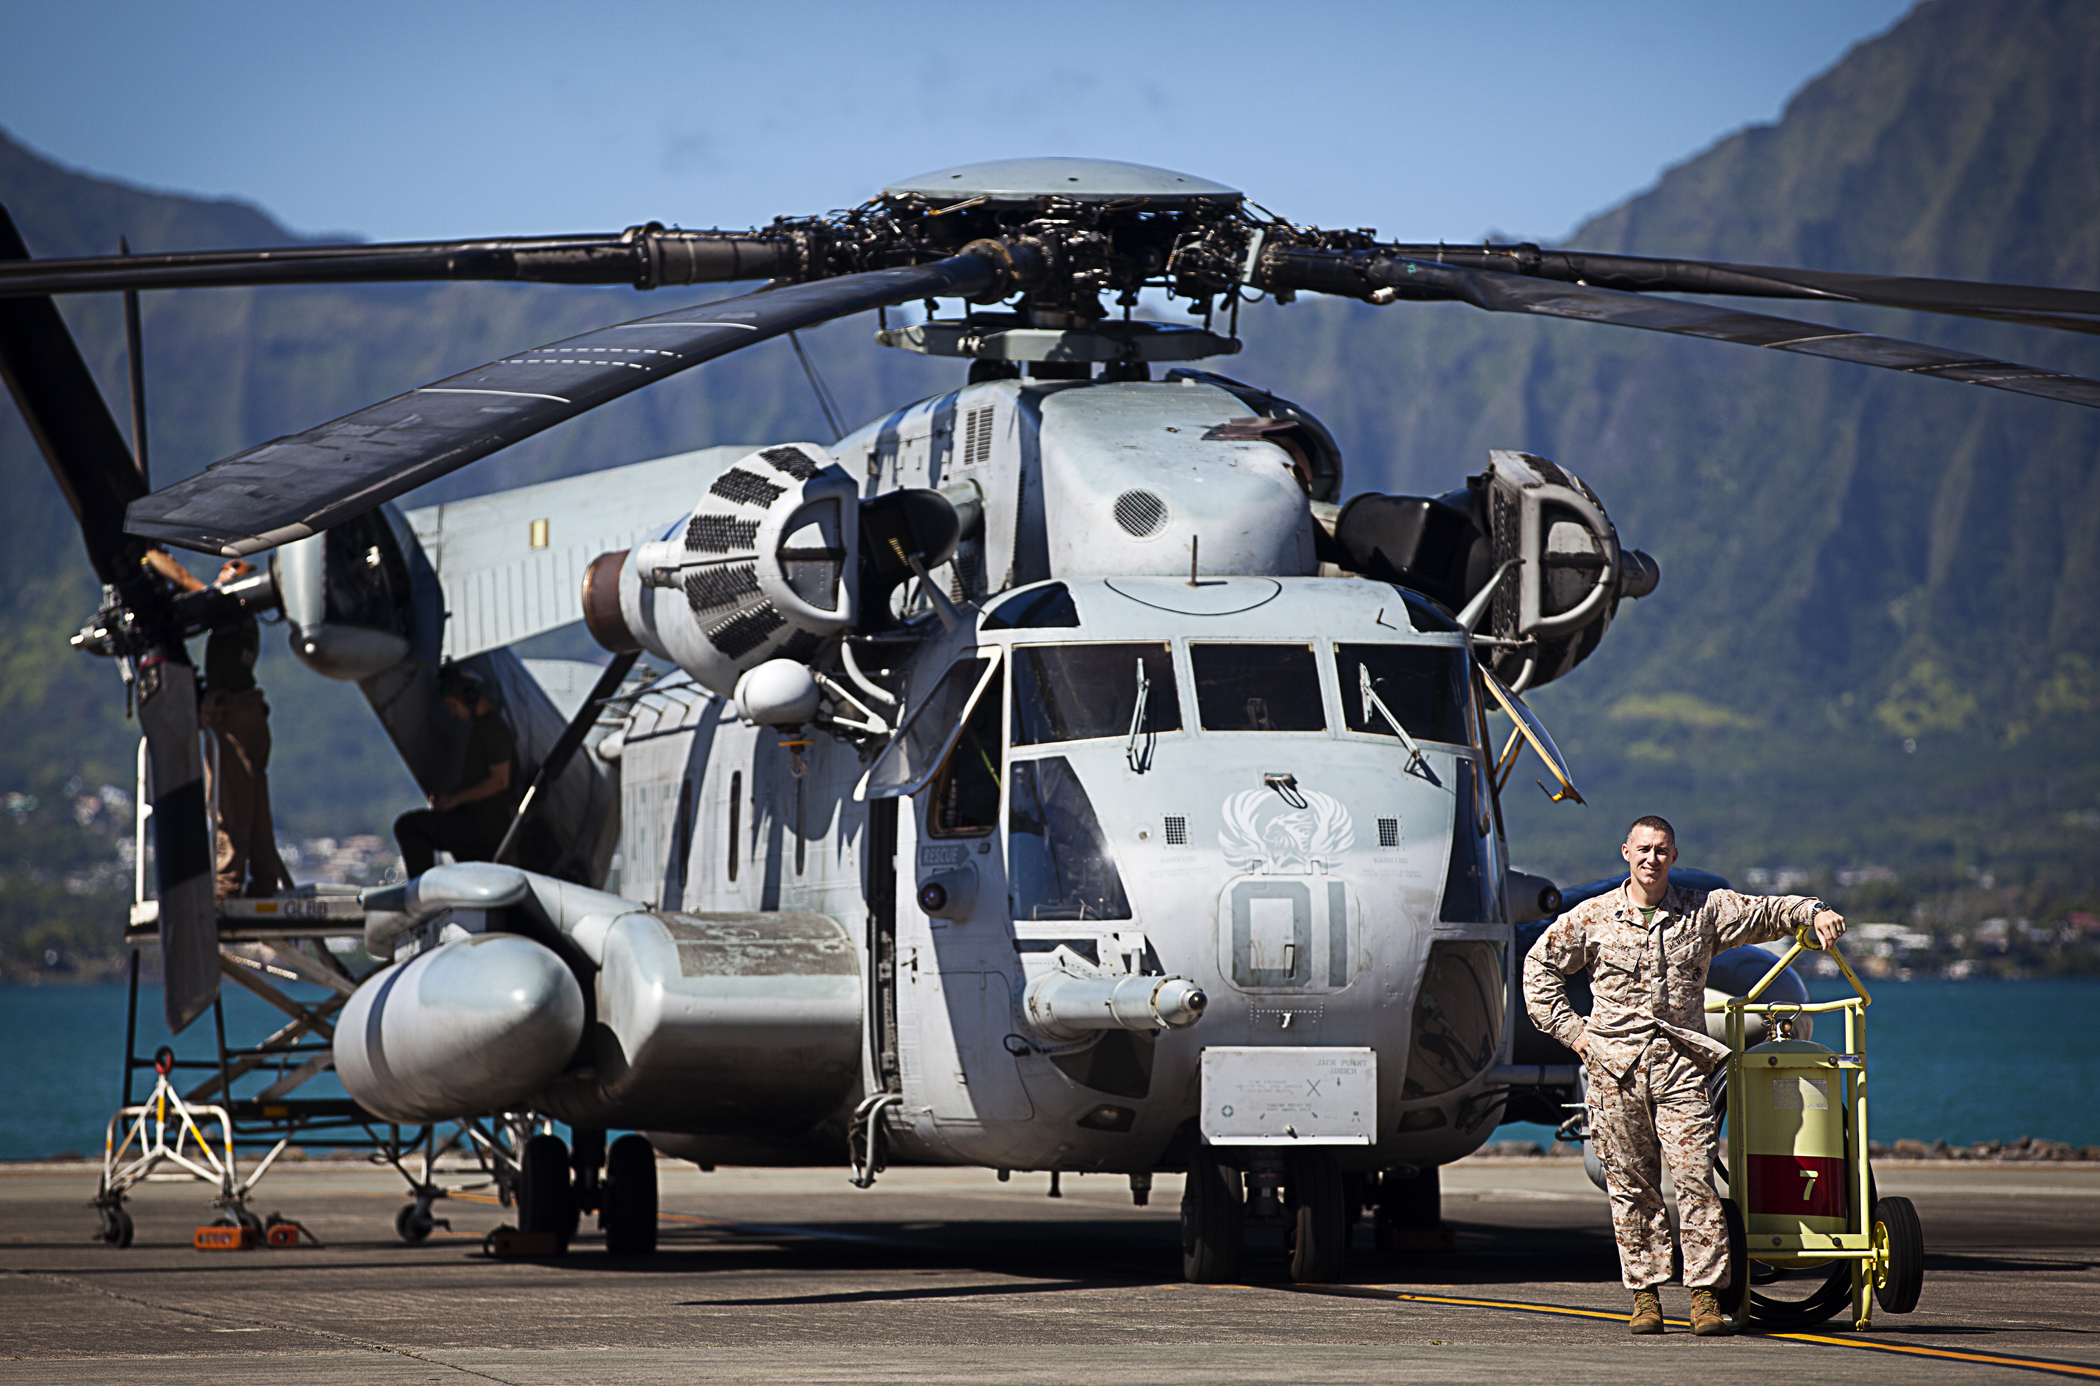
point(1960, 1061)
point(1969, 1061)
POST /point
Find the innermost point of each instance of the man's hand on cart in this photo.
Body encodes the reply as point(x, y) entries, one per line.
point(1829, 928)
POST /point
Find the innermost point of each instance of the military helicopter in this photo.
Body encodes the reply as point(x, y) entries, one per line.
point(1054, 774)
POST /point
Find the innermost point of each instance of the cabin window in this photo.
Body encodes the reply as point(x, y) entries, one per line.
point(1458, 1017)
point(1424, 686)
point(966, 791)
point(801, 839)
point(917, 751)
point(1074, 692)
point(1249, 687)
point(1058, 862)
point(736, 815)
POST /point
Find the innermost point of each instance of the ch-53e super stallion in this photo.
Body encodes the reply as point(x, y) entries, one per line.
point(1050, 775)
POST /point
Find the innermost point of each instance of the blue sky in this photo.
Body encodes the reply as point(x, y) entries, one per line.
point(401, 121)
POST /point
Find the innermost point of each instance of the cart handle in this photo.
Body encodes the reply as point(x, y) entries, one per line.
point(1786, 959)
point(1843, 1003)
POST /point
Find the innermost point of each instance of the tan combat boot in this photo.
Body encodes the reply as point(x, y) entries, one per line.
point(1647, 1312)
point(1707, 1319)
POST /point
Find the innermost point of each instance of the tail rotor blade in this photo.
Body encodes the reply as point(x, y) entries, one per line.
point(182, 847)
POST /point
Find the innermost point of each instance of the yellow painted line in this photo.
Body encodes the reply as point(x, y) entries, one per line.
point(2032, 1364)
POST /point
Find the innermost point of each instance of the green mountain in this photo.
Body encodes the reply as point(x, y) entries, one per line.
point(1853, 561)
point(1876, 647)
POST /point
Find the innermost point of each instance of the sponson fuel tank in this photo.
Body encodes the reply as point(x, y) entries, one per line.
point(471, 1026)
point(719, 1023)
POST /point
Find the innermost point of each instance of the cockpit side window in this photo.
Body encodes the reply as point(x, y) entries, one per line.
point(1073, 692)
point(1250, 687)
point(1058, 862)
point(1425, 686)
point(966, 791)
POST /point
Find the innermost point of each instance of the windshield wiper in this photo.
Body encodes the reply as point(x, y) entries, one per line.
point(1417, 764)
point(1140, 761)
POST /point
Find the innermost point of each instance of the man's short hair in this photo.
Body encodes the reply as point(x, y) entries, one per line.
point(1655, 821)
point(455, 682)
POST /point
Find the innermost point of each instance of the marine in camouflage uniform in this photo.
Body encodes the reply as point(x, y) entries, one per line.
point(1649, 1055)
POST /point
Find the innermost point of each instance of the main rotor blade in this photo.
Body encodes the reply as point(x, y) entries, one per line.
point(182, 841)
point(300, 485)
point(1361, 274)
point(646, 257)
point(2034, 305)
point(68, 418)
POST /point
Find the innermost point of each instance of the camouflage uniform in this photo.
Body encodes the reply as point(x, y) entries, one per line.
point(1650, 1055)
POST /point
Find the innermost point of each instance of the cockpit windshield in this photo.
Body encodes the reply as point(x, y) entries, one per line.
point(1425, 686)
point(1257, 687)
point(1074, 692)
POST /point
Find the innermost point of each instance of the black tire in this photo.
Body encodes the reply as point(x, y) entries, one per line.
point(545, 1203)
point(1319, 1223)
point(116, 1227)
point(412, 1226)
point(1896, 1224)
point(628, 1199)
point(1738, 1289)
point(1213, 1221)
point(1413, 1203)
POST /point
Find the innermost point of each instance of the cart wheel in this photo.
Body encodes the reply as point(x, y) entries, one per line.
point(116, 1226)
point(413, 1223)
point(1738, 1260)
point(1319, 1225)
point(1900, 1269)
point(630, 1196)
point(1213, 1221)
point(545, 1202)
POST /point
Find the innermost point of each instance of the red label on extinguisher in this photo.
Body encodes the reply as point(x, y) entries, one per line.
point(1802, 1186)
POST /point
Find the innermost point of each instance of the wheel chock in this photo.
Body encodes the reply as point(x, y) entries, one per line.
point(509, 1243)
point(221, 1237)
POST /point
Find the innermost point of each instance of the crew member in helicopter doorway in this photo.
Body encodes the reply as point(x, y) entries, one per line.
point(233, 710)
point(1647, 1055)
point(469, 822)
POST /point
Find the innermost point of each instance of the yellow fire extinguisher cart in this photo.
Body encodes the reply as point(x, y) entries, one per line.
point(1801, 1193)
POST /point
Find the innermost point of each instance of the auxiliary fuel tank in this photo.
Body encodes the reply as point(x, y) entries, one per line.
point(746, 1023)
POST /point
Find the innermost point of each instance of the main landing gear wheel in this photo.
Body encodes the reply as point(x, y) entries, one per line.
point(1319, 1223)
point(1899, 1269)
point(545, 1203)
point(116, 1228)
point(1213, 1221)
point(629, 1198)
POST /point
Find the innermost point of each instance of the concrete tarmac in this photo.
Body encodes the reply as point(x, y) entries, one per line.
point(939, 1276)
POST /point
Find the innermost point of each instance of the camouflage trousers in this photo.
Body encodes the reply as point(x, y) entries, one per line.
point(1660, 1113)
